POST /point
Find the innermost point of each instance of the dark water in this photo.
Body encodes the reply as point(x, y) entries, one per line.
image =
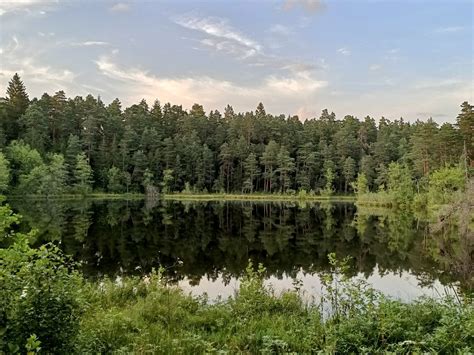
point(206, 246)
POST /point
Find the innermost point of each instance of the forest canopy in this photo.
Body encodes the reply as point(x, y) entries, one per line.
point(55, 144)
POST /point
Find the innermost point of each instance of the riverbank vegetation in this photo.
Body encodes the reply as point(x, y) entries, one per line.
point(146, 313)
point(56, 145)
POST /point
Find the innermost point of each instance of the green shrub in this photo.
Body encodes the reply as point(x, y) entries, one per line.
point(39, 294)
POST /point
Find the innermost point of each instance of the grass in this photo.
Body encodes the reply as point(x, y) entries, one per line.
point(375, 199)
point(147, 315)
point(255, 197)
point(193, 197)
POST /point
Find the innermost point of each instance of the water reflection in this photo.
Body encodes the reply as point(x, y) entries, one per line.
point(215, 240)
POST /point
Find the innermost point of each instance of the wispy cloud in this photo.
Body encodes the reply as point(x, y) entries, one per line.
point(120, 7)
point(443, 84)
point(449, 29)
point(311, 6)
point(223, 36)
point(13, 6)
point(292, 89)
point(375, 67)
point(17, 58)
point(89, 44)
point(280, 30)
point(344, 51)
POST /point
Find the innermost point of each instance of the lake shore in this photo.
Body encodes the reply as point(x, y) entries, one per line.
point(194, 197)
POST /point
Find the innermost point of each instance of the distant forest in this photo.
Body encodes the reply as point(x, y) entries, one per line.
point(56, 144)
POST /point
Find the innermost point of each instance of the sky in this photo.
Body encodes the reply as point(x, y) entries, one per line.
point(406, 58)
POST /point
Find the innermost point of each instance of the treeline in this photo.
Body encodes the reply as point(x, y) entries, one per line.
point(57, 144)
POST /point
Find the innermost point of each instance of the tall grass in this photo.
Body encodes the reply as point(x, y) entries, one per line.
point(147, 315)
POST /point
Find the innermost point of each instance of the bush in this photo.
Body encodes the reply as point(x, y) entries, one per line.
point(39, 295)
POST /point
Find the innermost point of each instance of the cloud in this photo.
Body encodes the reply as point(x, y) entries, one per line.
point(280, 30)
point(7, 6)
point(224, 38)
point(280, 91)
point(229, 47)
point(449, 29)
point(375, 67)
point(311, 6)
point(438, 84)
point(90, 43)
point(222, 34)
point(17, 58)
point(344, 51)
point(300, 84)
point(120, 7)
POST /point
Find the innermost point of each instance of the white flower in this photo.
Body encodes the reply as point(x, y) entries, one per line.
point(146, 280)
point(23, 293)
point(118, 281)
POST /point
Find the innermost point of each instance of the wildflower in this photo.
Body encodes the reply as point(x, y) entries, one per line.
point(118, 281)
point(23, 293)
point(146, 280)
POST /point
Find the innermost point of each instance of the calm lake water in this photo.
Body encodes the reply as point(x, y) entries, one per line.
point(206, 246)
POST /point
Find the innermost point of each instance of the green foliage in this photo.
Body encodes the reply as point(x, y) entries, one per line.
point(167, 180)
point(329, 177)
point(4, 173)
point(39, 294)
point(82, 175)
point(234, 152)
point(147, 314)
point(444, 184)
point(360, 186)
point(114, 180)
point(400, 184)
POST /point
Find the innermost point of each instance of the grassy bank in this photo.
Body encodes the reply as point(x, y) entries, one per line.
point(146, 315)
point(193, 197)
point(256, 197)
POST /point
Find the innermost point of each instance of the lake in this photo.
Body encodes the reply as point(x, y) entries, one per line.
point(205, 246)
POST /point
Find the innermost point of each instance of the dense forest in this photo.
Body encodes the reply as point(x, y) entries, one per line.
point(56, 145)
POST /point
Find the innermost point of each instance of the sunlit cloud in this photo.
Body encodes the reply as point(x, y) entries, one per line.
point(281, 91)
point(344, 51)
point(120, 7)
point(13, 6)
point(223, 36)
point(310, 6)
point(90, 43)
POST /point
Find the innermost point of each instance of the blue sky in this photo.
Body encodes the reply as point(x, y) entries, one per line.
point(410, 59)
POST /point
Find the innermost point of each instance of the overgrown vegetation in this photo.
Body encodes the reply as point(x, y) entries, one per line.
point(147, 314)
point(55, 145)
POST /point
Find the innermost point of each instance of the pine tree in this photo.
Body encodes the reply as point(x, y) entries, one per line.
point(465, 122)
point(73, 149)
point(34, 125)
point(83, 175)
point(270, 163)
point(251, 171)
point(349, 172)
point(286, 167)
point(18, 102)
point(4, 173)
point(227, 165)
point(114, 180)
